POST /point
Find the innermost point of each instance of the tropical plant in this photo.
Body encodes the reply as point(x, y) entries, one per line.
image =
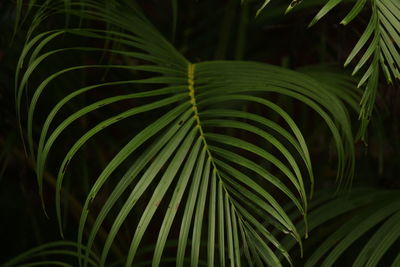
point(160, 160)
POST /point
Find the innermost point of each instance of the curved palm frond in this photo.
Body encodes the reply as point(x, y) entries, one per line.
point(342, 85)
point(194, 152)
point(370, 217)
point(56, 253)
point(381, 44)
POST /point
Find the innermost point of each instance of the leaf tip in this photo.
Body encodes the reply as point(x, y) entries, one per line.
point(312, 23)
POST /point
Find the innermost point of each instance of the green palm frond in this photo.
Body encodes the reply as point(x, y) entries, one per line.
point(380, 43)
point(58, 253)
point(194, 152)
point(343, 85)
point(370, 218)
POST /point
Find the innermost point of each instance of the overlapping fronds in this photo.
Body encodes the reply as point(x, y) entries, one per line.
point(194, 158)
point(369, 218)
point(339, 83)
point(379, 45)
point(378, 48)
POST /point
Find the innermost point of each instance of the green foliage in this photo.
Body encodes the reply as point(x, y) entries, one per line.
point(381, 42)
point(370, 217)
point(58, 250)
point(213, 167)
point(383, 48)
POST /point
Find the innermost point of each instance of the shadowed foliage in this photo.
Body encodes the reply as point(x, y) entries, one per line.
point(156, 140)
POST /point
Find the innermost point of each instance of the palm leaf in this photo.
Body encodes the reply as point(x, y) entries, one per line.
point(59, 250)
point(195, 149)
point(381, 44)
point(369, 215)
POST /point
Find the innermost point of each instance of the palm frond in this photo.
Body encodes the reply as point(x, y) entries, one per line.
point(343, 85)
point(57, 253)
point(381, 44)
point(195, 149)
point(372, 216)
